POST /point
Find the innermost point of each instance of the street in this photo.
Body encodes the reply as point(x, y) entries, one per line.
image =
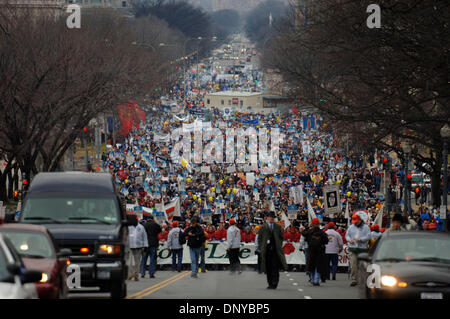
point(223, 285)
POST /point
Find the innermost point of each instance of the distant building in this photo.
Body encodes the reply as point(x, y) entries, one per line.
point(114, 4)
point(247, 102)
point(38, 7)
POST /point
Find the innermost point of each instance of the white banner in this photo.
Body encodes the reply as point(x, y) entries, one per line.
point(216, 253)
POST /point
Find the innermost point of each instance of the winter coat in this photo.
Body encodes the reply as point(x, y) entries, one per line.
point(198, 238)
point(173, 238)
point(153, 230)
point(263, 236)
point(316, 258)
point(137, 236)
point(233, 237)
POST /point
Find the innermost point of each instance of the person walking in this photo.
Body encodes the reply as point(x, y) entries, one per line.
point(234, 244)
point(138, 244)
point(357, 236)
point(270, 242)
point(316, 261)
point(153, 230)
point(196, 237)
point(202, 254)
point(174, 246)
point(257, 251)
point(332, 250)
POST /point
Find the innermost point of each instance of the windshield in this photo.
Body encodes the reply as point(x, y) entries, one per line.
point(73, 209)
point(30, 244)
point(414, 249)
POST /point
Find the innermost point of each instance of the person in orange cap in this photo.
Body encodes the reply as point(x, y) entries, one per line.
point(332, 250)
point(357, 236)
point(316, 261)
point(234, 243)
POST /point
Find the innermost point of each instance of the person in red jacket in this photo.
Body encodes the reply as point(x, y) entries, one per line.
point(162, 236)
point(294, 235)
point(221, 233)
point(248, 236)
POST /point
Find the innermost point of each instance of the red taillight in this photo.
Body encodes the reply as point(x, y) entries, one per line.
point(84, 250)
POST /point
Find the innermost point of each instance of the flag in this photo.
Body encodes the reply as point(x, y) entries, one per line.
point(286, 220)
point(347, 216)
point(379, 218)
point(311, 214)
point(172, 209)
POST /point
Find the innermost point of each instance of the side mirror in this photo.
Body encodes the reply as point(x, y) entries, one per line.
point(363, 257)
point(14, 269)
point(65, 252)
point(31, 276)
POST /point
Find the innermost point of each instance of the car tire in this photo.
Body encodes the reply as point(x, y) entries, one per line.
point(119, 290)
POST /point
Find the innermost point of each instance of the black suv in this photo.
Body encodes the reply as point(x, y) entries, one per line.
point(84, 214)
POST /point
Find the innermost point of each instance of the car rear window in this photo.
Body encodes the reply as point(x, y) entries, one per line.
point(30, 244)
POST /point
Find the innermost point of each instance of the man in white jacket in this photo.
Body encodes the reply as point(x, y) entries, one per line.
point(234, 244)
point(173, 244)
point(332, 250)
point(138, 243)
point(357, 236)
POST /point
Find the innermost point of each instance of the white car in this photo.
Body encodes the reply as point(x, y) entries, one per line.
point(15, 281)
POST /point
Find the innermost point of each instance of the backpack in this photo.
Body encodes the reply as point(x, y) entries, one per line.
point(181, 238)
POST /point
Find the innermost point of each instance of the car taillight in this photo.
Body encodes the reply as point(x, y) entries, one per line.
point(84, 250)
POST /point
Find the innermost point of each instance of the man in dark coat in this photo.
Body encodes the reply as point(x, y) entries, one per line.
point(153, 230)
point(270, 241)
point(316, 259)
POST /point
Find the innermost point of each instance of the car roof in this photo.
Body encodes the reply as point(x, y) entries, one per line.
point(23, 226)
point(410, 234)
point(72, 182)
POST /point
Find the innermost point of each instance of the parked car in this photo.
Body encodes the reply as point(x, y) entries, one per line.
point(37, 249)
point(83, 213)
point(412, 265)
point(16, 282)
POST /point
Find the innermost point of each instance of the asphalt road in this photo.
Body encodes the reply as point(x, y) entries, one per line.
point(223, 285)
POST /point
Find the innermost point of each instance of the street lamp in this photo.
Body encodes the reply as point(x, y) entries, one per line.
point(407, 150)
point(144, 45)
point(445, 134)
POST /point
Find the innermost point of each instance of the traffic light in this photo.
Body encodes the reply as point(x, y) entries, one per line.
point(16, 196)
point(417, 190)
point(408, 181)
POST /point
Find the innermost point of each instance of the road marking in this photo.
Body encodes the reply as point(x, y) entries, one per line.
point(291, 278)
point(295, 284)
point(155, 285)
point(308, 297)
point(300, 289)
point(288, 275)
point(162, 286)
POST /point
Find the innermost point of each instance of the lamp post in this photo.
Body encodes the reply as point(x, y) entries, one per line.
point(407, 149)
point(445, 134)
point(144, 45)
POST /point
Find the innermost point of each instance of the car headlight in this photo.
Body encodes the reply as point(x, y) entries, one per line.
point(109, 249)
point(388, 281)
point(45, 277)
